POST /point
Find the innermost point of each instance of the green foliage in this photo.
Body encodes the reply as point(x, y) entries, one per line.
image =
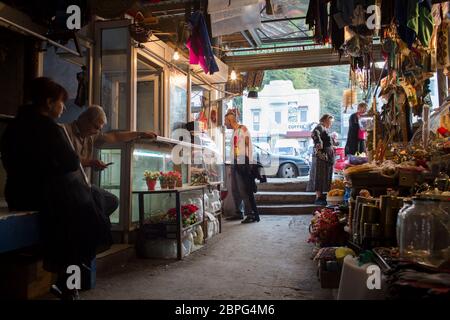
point(331, 82)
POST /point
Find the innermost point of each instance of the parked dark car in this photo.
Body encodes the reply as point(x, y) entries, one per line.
point(289, 166)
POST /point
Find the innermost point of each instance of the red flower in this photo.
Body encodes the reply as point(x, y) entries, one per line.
point(324, 226)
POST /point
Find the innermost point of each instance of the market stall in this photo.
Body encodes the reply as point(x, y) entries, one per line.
point(393, 212)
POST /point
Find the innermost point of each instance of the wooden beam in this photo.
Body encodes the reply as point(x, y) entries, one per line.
point(285, 60)
point(170, 5)
point(289, 59)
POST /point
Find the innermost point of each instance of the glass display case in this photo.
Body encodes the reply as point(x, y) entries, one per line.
point(126, 176)
point(176, 222)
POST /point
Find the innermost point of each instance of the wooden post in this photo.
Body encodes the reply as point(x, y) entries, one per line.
point(426, 125)
point(375, 124)
point(179, 226)
point(442, 86)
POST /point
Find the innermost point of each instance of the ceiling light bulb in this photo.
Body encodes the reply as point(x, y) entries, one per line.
point(233, 75)
point(176, 55)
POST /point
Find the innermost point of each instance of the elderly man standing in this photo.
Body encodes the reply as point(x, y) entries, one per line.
point(85, 133)
point(243, 182)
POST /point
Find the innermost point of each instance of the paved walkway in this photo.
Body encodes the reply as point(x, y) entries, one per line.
point(266, 260)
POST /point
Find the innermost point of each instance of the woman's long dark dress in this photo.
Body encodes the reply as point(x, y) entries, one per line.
point(321, 173)
point(43, 175)
point(354, 144)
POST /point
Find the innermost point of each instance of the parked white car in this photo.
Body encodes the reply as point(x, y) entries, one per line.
point(288, 147)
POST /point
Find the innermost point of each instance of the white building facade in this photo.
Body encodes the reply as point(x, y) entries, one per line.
point(282, 112)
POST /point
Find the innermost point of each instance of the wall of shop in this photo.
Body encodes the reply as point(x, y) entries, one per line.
point(12, 62)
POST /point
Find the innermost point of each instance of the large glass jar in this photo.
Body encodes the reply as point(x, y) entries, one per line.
point(406, 204)
point(424, 232)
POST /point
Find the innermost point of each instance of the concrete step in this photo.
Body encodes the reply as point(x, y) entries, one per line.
point(283, 186)
point(118, 254)
point(298, 209)
point(272, 197)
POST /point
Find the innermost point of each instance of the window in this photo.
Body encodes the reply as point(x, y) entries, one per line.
point(303, 113)
point(178, 101)
point(293, 115)
point(114, 82)
point(256, 119)
point(278, 117)
point(200, 103)
point(147, 102)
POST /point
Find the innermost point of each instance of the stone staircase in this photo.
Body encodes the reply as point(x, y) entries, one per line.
point(285, 197)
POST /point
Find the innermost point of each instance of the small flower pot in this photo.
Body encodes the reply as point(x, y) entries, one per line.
point(151, 184)
point(180, 183)
point(163, 185)
point(171, 185)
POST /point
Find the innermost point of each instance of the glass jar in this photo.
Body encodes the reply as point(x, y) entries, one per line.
point(423, 231)
point(406, 204)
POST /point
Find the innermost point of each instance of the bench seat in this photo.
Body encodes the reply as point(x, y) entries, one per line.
point(18, 230)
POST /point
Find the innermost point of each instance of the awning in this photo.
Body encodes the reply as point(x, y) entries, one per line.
point(291, 59)
point(298, 134)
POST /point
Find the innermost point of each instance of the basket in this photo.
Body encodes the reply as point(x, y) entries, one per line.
point(139, 31)
point(334, 201)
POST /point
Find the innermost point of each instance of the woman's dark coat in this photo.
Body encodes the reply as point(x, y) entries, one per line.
point(353, 146)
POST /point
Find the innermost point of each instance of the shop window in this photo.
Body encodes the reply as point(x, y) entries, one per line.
point(200, 100)
point(147, 99)
point(178, 101)
point(114, 82)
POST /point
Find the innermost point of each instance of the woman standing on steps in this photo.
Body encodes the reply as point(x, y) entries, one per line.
point(323, 159)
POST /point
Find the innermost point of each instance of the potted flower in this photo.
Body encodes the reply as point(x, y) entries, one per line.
point(172, 178)
point(326, 229)
point(163, 180)
point(179, 179)
point(151, 177)
point(199, 177)
point(188, 216)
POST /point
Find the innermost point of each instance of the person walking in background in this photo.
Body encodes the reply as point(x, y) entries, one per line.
point(242, 179)
point(356, 139)
point(321, 173)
